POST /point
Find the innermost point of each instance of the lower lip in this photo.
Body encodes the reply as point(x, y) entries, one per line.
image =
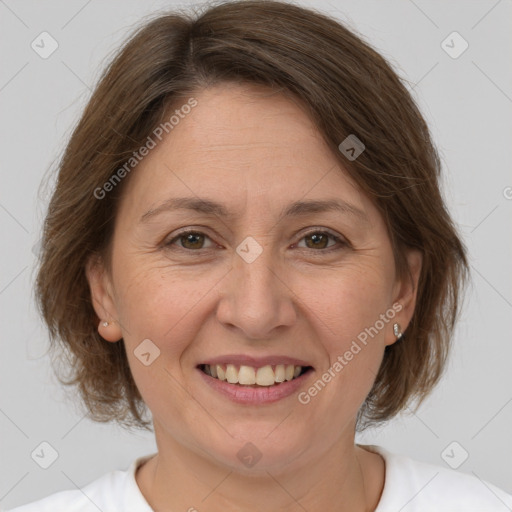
point(255, 396)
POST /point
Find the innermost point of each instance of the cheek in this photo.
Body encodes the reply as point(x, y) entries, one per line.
point(158, 312)
point(167, 306)
point(155, 300)
point(349, 301)
point(354, 314)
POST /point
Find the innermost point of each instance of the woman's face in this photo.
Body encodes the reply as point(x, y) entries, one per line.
point(268, 277)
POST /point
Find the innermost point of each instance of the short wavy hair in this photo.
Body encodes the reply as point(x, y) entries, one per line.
point(345, 86)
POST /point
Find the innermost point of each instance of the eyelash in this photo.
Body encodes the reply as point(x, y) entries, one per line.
point(342, 243)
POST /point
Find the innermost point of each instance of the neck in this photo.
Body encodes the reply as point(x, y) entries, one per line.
point(179, 478)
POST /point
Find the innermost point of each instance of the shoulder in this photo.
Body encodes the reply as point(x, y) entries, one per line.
point(109, 493)
point(413, 486)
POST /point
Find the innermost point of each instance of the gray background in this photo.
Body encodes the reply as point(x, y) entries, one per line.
point(467, 102)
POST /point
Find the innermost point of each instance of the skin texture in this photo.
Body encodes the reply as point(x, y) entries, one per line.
point(255, 152)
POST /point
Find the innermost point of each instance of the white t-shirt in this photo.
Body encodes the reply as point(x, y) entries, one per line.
point(410, 486)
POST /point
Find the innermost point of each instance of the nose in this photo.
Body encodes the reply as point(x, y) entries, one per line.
point(255, 297)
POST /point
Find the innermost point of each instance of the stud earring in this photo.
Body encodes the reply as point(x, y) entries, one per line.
point(105, 324)
point(397, 331)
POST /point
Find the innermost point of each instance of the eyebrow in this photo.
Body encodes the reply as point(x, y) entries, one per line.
point(295, 209)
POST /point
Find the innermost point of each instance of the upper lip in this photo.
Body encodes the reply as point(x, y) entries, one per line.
point(255, 362)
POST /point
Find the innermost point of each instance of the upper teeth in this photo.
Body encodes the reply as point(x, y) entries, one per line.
point(247, 375)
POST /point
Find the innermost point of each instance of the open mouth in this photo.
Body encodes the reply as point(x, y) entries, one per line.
point(248, 376)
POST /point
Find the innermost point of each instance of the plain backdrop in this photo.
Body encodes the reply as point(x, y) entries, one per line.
point(467, 101)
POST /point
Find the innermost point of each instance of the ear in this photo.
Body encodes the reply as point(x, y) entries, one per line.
point(405, 294)
point(103, 299)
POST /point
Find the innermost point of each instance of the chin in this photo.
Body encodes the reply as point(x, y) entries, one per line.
point(255, 451)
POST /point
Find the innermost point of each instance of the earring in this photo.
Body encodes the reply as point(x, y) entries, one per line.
point(397, 331)
point(105, 324)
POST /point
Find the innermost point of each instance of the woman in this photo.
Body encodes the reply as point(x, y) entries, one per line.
point(247, 239)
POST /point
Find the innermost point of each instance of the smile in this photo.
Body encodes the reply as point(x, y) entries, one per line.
point(268, 375)
point(254, 385)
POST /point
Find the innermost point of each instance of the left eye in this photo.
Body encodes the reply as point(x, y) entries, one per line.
point(320, 239)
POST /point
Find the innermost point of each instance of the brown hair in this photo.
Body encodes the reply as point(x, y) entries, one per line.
point(345, 86)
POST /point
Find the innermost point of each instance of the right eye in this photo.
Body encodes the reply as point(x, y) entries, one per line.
point(189, 240)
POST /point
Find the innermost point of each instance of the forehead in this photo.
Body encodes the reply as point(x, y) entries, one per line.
point(238, 124)
point(239, 144)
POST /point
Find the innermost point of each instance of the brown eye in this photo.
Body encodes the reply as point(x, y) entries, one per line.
point(320, 240)
point(192, 240)
point(317, 240)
